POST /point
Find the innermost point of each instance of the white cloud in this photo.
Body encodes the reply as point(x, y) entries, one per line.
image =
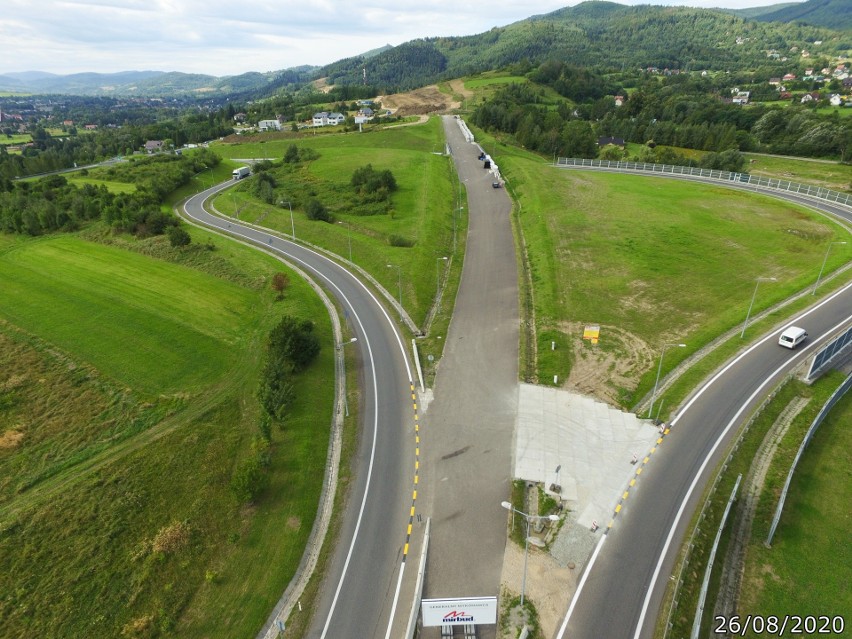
point(227, 37)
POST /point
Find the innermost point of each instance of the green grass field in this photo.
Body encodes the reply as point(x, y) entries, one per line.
point(114, 187)
point(828, 174)
point(422, 207)
point(654, 260)
point(145, 323)
point(808, 568)
point(127, 396)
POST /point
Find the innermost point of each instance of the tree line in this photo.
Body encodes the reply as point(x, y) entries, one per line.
point(54, 204)
point(679, 110)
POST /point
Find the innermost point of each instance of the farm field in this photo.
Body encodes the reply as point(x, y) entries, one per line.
point(127, 402)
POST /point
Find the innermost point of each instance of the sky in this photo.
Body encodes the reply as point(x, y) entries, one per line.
point(229, 37)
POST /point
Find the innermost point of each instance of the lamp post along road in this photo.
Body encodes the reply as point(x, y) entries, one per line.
point(753, 295)
point(528, 518)
point(822, 268)
point(292, 223)
point(349, 234)
point(399, 277)
point(659, 369)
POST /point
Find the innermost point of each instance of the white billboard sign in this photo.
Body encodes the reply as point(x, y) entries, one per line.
point(456, 612)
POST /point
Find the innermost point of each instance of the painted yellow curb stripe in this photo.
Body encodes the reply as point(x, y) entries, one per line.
point(632, 483)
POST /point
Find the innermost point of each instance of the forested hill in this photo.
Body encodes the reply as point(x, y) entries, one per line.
point(834, 14)
point(600, 35)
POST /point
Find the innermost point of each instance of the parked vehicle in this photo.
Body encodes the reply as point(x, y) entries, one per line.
point(792, 337)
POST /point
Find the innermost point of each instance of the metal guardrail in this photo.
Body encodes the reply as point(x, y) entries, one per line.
point(705, 585)
point(722, 176)
point(836, 396)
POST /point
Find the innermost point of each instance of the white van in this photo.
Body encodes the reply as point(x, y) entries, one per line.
point(792, 337)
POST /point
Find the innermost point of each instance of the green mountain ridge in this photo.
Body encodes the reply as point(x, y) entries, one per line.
point(833, 14)
point(597, 34)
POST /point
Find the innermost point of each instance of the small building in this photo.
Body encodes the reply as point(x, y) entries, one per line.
point(153, 146)
point(603, 141)
point(619, 100)
point(741, 97)
point(268, 125)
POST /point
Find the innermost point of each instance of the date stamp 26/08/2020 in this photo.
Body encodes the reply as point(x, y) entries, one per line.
point(779, 625)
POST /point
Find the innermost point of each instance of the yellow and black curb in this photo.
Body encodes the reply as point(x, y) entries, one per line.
point(640, 467)
point(416, 473)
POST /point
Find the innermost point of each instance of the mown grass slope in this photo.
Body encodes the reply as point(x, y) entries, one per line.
point(653, 261)
point(127, 400)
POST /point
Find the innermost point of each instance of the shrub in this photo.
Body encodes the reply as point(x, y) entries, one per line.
point(399, 240)
point(178, 237)
point(315, 210)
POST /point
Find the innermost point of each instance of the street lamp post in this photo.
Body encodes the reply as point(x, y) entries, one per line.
point(753, 295)
point(659, 369)
point(824, 260)
point(349, 233)
point(528, 518)
point(399, 277)
point(438, 272)
point(292, 223)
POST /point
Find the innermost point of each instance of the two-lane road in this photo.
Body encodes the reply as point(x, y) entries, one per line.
point(364, 570)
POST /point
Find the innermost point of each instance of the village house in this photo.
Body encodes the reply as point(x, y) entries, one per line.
point(323, 118)
point(741, 97)
point(268, 125)
point(153, 146)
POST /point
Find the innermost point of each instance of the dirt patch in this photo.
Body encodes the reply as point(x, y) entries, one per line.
point(10, 439)
point(549, 586)
point(418, 102)
point(294, 523)
point(13, 382)
point(459, 89)
point(605, 370)
point(322, 85)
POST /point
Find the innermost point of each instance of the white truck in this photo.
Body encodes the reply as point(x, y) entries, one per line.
point(241, 172)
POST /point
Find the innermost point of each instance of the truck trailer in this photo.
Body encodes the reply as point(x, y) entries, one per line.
point(241, 172)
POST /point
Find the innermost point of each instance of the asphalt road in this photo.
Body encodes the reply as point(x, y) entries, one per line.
point(621, 591)
point(364, 570)
point(469, 426)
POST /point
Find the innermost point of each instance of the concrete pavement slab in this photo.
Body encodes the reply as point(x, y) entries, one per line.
point(592, 445)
